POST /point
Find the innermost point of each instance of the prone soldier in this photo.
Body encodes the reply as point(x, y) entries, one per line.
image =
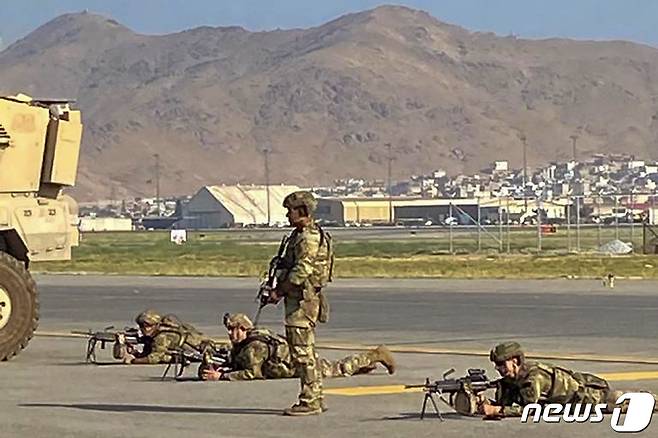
point(161, 336)
point(259, 353)
point(524, 382)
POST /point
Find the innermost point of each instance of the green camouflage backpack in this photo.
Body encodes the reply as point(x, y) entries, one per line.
point(277, 345)
point(189, 335)
point(325, 258)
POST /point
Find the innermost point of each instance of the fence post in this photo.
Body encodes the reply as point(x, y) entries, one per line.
point(500, 225)
point(568, 223)
point(538, 224)
point(450, 229)
point(479, 234)
point(599, 201)
point(509, 230)
point(577, 224)
point(632, 221)
point(644, 234)
point(616, 217)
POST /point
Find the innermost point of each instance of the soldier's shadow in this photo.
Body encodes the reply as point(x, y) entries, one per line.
point(428, 416)
point(105, 407)
point(431, 416)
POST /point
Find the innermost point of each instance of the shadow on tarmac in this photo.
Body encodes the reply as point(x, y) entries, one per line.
point(428, 416)
point(154, 408)
point(486, 338)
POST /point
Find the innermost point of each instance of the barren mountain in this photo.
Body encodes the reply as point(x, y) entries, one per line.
point(328, 99)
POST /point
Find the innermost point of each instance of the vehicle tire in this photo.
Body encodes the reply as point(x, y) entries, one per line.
point(19, 306)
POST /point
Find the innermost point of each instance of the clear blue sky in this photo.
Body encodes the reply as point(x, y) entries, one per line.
point(634, 20)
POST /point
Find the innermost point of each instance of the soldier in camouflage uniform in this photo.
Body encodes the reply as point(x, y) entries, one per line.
point(526, 382)
point(161, 336)
point(262, 354)
point(302, 274)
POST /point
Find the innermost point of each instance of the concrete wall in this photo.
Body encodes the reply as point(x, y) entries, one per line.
point(90, 224)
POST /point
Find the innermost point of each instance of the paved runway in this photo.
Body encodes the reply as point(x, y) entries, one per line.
point(47, 392)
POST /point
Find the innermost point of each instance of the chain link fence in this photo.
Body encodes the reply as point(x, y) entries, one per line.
point(608, 224)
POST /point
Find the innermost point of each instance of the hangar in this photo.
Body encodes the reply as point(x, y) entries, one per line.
point(403, 210)
point(236, 206)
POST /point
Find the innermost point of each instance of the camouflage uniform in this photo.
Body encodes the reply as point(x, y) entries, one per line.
point(262, 355)
point(544, 383)
point(266, 355)
point(171, 334)
point(303, 263)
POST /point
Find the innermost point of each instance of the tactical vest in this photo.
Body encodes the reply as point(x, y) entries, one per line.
point(323, 261)
point(560, 380)
point(278, 352)
point(189, 336)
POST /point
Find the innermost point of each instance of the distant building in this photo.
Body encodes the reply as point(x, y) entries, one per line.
point(650, 169)
point(91, 224)
point(230, 206)
point(500, 166)
point(346, 211)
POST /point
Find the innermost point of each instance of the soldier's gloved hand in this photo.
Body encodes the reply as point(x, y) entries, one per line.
point(275, 297)
point(286, 288)
point(121, 338)
point(488, 409)
point(211, 374)
point(128, 359)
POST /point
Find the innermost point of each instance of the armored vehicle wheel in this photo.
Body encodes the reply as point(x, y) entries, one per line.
point(19, 306)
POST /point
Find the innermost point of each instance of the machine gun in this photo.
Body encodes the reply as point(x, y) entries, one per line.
point(464, 392)
point(270, 282)
point(132, 336)
point(217, 358)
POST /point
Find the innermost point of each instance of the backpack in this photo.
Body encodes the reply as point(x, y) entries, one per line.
point(189, 335)
point(325, 258)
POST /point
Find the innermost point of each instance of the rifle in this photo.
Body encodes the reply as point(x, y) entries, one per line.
point(270, 282)
point(132, 335)
point(210, 356)
point(464, 392)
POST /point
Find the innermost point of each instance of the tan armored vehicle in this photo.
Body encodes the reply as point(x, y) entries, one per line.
point(39, 148)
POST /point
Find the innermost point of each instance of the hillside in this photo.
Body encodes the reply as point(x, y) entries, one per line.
point(329, 98)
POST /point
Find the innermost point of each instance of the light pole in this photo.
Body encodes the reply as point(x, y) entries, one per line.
point(390, 166)
point(267, 149)
point(157, 182)
point(524, 140)
point(574, 139)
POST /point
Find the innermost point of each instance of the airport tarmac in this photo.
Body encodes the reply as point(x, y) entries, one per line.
point(432, 324)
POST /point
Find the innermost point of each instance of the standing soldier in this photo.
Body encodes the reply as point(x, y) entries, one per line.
point(304, 269)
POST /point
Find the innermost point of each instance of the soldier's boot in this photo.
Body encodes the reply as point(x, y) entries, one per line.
point(383, 356)
point(611, 401)
point(655, 397)
point(302, 410)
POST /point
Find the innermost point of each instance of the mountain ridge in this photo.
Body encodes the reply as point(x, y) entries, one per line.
point(328, 99)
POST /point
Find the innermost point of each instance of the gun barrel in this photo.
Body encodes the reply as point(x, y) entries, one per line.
point(81, 333)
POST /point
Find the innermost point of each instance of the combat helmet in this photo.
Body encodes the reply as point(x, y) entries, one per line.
point(148, 317)
point(505, 351)
point(301, 198)
point(232, 320)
